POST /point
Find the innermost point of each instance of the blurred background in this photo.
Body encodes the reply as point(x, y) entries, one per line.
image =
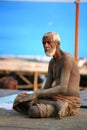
point(22, 25)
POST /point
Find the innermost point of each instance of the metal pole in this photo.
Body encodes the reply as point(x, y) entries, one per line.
point(76, 29)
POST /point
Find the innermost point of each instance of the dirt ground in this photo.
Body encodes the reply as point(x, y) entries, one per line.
point(12, 120)
point(15, 121)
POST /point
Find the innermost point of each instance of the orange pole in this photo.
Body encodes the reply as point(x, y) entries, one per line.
point(76, 30)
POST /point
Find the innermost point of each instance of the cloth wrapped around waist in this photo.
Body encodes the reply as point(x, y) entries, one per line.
point(74, 103)
point(73, 100)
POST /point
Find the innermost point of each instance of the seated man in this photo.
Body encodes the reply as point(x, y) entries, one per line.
point(58, 100)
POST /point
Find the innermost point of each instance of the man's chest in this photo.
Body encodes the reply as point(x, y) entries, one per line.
point(57, 70)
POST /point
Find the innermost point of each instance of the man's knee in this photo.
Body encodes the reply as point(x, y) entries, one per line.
point(62, 109)
point(34, 112)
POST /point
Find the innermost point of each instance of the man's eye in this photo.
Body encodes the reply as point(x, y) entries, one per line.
point(48, 42)
point(44, 43)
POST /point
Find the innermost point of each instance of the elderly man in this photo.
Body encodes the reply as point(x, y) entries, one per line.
point(60, 96)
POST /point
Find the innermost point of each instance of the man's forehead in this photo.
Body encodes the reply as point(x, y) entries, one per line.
point(47, 38)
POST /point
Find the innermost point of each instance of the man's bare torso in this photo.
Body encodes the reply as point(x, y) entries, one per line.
point(65, 73)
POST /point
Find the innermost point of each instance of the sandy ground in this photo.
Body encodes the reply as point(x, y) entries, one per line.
point(14, 121)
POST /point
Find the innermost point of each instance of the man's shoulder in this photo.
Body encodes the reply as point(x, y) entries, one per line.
point(68, 56)
point(68, 59)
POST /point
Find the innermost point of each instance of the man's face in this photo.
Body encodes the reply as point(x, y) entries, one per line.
point(49, 45)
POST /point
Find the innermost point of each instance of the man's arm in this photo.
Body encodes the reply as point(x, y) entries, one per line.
point(49, 79)
point(64, 81)
point(58, 90)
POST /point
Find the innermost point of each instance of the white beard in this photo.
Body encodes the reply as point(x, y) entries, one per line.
point(50, 52)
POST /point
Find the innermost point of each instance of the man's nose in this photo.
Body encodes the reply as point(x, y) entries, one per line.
point(46, 44)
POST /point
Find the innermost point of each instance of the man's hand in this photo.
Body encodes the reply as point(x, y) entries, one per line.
point(32, 98)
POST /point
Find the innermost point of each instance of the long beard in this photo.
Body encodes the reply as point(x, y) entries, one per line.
point(50, 52)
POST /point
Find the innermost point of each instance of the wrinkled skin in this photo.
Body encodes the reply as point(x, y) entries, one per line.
point(63, 70)
point(32, 98)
